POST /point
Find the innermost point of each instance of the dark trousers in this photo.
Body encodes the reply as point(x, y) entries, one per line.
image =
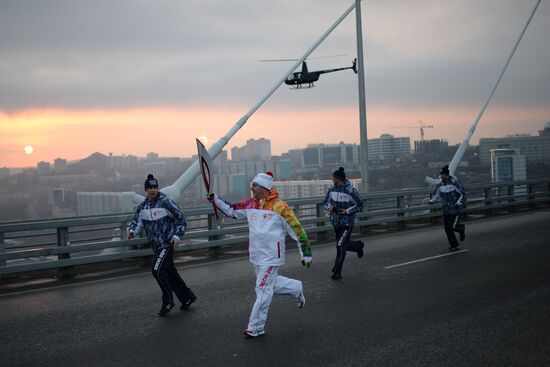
point(452, 225)
point(168, 278)
point(344, 244)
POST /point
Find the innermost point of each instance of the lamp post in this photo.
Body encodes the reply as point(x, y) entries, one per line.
point(363, 151)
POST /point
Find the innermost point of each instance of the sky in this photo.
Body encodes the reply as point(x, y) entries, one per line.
point(139, 76)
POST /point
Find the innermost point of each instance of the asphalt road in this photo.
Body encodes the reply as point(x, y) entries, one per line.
point(401, 305)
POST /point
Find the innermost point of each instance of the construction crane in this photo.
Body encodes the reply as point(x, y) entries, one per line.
point(422, 127)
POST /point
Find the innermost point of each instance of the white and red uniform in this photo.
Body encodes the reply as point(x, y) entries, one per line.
point(269, 220)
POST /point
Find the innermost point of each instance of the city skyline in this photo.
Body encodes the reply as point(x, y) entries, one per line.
point(80, 78)
point(229, 147)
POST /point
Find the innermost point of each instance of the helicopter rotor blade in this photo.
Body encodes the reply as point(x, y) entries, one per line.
point(271, 60)
point(326, 57)
point(309, 58)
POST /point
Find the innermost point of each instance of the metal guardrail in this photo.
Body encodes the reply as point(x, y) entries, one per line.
point(63, 243)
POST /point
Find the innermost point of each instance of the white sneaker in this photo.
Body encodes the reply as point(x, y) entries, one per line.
point(301, 301)
point(253, 334)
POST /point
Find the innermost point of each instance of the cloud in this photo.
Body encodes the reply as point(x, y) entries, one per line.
point(132, 54)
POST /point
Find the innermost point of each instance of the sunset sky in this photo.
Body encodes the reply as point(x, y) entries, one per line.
point(132, 77)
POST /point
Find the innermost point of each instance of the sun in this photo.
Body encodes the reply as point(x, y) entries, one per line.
point(28, 149)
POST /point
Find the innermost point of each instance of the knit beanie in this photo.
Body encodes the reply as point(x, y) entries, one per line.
point(151, 182)
point(339, 174)
point(264, 180)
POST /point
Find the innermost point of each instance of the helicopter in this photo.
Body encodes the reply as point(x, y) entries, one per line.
point(305, 77)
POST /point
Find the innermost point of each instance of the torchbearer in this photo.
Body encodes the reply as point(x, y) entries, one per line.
point(269, 219)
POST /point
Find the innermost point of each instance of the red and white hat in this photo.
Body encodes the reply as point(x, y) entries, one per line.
point(264, 180)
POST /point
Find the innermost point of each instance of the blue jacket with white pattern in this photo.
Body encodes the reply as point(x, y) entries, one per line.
point(343, 197)
point(451, 193)
point(161, 219)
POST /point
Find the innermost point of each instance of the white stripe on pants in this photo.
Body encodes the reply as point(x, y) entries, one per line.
point(269, 282)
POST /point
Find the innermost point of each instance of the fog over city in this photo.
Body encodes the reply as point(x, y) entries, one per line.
point(81, 77)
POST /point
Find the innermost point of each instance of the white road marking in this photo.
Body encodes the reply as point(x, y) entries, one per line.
point(425, 259)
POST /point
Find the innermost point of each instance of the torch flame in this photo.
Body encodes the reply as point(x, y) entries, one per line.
point(203, 139)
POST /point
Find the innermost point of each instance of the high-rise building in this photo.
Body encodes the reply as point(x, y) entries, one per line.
point(251, 168)
point(388, 147)
point(283, 169)
point(536, 149)
point(59, 165)
point(125, 162)
point(43, 168)
point(307, 189)
point(507, 165)
point(312, 156)
point(236, 154)
point(222, 157)
point(433, 146)
point(158, 169)
point(296, 156)
point(322, 155)
point(259, 149)
point(254, 150)
point(152, 156)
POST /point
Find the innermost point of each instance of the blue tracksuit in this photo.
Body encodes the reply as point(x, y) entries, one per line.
point(162, 219)
point(454, 196)
point(343, 197)
point(451, 192)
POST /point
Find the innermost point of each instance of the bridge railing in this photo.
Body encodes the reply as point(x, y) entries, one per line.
point(63, 243)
